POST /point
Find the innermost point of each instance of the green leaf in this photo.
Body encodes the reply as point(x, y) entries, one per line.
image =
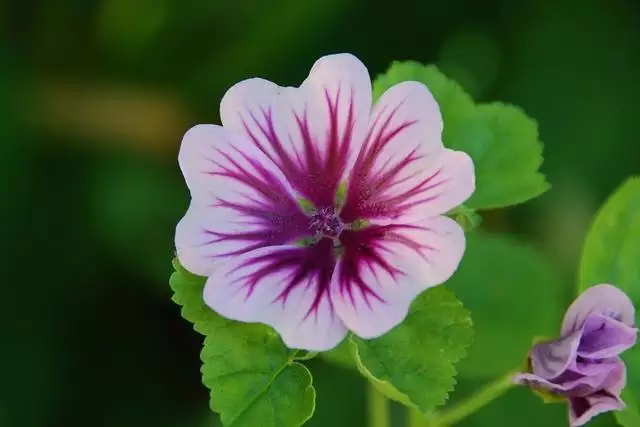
point(252, 376)
point(383, 386)
point(467, 218)
point(630, 416)
point(500, 138)
point(187, 292)
point(610, 255)
point(340, 356)
point(455, 104)
point(503, 143)
point(501, 275)
point(253, 379)
point(414, 362)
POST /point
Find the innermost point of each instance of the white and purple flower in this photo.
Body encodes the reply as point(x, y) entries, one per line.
point(316, 213)
point(584, 365)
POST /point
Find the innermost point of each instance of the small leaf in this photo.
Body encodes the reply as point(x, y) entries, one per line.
point(187, 288)
point(468, 219)
point(253, 379)
point(382, 386)
point(501, 275)
point(610, 255)
point(500, 138)
point(503, 143)
point(414, 362)
point(453, 101)
point(252, 376)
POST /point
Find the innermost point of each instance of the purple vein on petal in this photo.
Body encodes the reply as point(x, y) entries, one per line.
point(372, 188)
point(369, 248)
point(273, 219)
point(309, 267)
point(316, 168)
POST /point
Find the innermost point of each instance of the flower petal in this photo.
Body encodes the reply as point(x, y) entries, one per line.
point(240, 201)
point(536, 382)
point(589, 367)
point(607, 399)
point(574, 384)
point(286, 287)
point(549, 359)
point(583, 409)
point(606, 376)
point(307, 131)
point(602, 299)
point(383, 268)
point(604, 337)
point(402, 169)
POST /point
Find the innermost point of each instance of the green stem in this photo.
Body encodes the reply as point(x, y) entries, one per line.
point(307, 356)
point(378, 406)
point(451, 416)
point(415, 418)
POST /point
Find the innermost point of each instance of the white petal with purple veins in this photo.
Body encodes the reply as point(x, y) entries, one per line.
point(240, 201)
point(402, 171)
point(383, 268)
point(308, 131)
point(286, 287)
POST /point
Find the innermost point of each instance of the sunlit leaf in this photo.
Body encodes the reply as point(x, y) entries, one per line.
point(414, 362)
point(501, 139)
point(252, 376)
point(503, 143)
point(611, 255)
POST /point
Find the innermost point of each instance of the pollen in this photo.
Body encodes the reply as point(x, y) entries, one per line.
point(326, 223)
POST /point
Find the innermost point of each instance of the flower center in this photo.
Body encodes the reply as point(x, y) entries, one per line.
point(326, 223)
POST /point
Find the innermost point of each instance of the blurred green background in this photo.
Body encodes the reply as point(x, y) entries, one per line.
point(96, 95)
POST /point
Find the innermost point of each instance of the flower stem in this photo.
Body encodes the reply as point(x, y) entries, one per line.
point(415, 418)
point(307, 356)
point(481, 398)
point(378, 406)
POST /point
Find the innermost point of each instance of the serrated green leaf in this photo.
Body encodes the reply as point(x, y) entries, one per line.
point(501, 275)
point(610, 255)
point(382, 386)
point(503, 143)
point(253, 379)
point(453, 101)
point(501, 139)
point(414, 362)
point(252, 376)
point(468, 219)
point(187, 293)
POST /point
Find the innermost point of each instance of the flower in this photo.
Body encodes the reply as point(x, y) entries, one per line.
point(583, 365)
point(316, 213)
